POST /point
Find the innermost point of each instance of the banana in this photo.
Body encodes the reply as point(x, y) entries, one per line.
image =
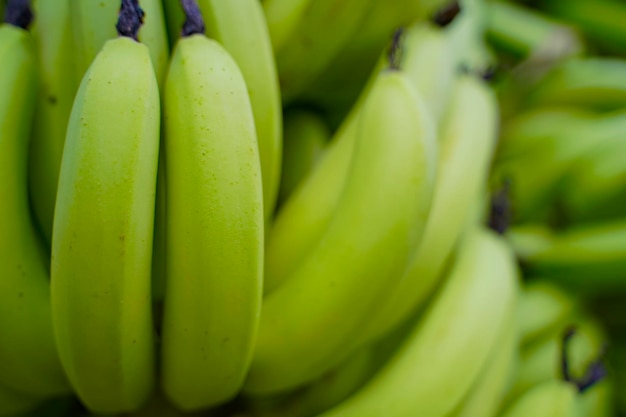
point(215, 232)
point(543, 308)
point(596, 82)
point(240, 26)
point(553, 398)
point(283, 17)
point(587, 259)
point(463, 321)
point(306, 135)
point(28, 357)
point(103, 228)
point(304, 217)
point(468, 137)
point(527, 33)
point(485, 397)
point(309, 322)
point(93, 23)
point(53, 36)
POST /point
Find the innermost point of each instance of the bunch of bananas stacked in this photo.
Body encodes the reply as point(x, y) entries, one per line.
point(283, 208)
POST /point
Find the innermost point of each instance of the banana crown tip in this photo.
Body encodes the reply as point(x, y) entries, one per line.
point(595, 372)
point(446, 15)
point(194, 22)
point(130, 19)
point(18, 13)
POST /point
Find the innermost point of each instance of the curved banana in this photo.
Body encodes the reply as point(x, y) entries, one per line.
point(103, 229)
point(597, 82)
point(53, 37)
point(463, 321)
point(486, 395)
point(93, 23)
point(240, 26)
point(553, 398)
point(304, 217)
point(543, 308)
point(468, 137)
point(309, 322)
point(214, 220)
point(306, 136)
point(29, 360)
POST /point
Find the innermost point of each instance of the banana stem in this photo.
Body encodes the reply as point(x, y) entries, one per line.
point(194, 23)
point(130, 19)
point(18, 13)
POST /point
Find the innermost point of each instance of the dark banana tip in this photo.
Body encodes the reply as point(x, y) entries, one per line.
point(446, 15)
point(395, 49)
point(130, 19)
point(194, 23)
point(18, 13)
point(596, 370)
point(500, 210)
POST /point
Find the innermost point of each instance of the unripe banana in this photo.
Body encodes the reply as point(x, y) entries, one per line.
point(550, 399)
point(29, 362)
point(306, 135)
point(463, 322)
point(103, 229)
point(309, 323)
point(93, 23)
point(214, 217)
point(468, 137)
point(53, 35)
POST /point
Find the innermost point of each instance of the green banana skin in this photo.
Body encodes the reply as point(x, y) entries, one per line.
point(215, 229)
point(28, 356)
point(283, 17)
point(13, 403)
point(103, 229)
point(53, 38)
point(525, 33)
point(304, 217)
point(305, 138)
point(93, 23)
point(596, 82)
point(240, 26)
point(374, 230)
point(550, 399)
point(485, 397)
point(467, 142)
point(420, 381)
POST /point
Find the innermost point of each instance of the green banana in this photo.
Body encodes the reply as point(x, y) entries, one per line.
point(29, 360)
point(53, 36)
point(103, 229)
point(463, 321)
point(543, 307)
point(215, 229)
point(283, 17)
point(597, 82)
point(93, 23)
point(306, 135)
point(468, 137)
point(552, 398)
point(527, 33)
point(309, 322)
point(304, 217)
point(485, 396)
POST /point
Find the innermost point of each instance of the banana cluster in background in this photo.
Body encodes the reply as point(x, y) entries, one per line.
point(300, 208)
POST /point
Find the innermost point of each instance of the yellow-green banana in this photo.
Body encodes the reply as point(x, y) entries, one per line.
point(93, 23)
point(215, 232)
point(240, 26)
point(463, 322)
point(305, 138)
point(308, 324)
point(468, 137)
point(553, 398)
point(58, 84)
point(103, 230)
point(29, 362)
